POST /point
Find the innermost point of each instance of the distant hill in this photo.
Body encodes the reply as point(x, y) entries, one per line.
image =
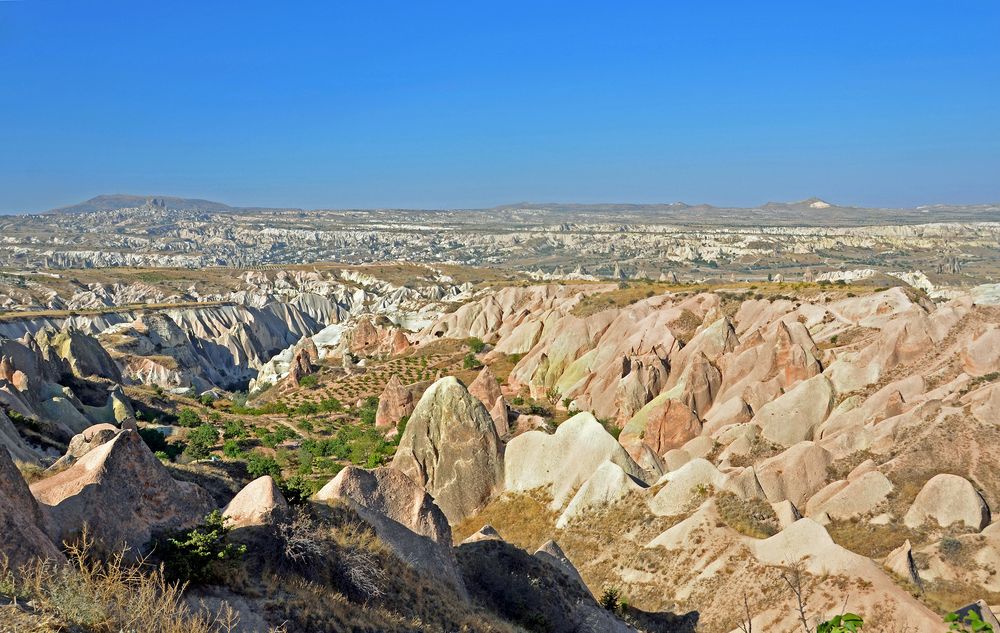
point(123, 201)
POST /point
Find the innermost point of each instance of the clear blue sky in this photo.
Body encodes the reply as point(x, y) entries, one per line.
point(429, 104)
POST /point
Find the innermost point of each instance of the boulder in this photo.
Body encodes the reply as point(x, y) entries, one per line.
point(61, 409)
point(520, 587)
point(404, 516)
point(982, 355)
point(451, 448)
point(948, 499)
point(23, 538)
point(12, 441)
point(792, 417)
point(900, 562)
point(123, 493)
point(551, 553)
point(501, 416)
point(258, 503)
point(563, 461)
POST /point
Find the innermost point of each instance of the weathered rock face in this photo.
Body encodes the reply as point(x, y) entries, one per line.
point(82, 353)
point(451, 448)
point(402, 513)
point(12, 441)
point(948, 499)
point(795, 474)
point(258, 503)
point(122, 492)
point(501, 416)
point(982, 355)
point(562, 462)
point(669, 424)
point(792, 417)
point(848, 499)
point(83, 443)
point(608, 485)
point(396, 401)
point(301, 366)
point(538, 586)
point(20, 520)
point(485, 387)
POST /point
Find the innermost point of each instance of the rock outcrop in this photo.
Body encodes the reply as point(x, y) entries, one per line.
point(122, 493)
point(560, 463)
point(23, 538)
point(451, 448)
point(402, 513)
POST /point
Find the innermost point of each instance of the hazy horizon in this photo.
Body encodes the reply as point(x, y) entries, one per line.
point(452, 106)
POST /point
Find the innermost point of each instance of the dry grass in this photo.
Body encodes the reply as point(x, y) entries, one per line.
point(101, 596)
point(752, 517)
point(523, 520)
point(874, 541)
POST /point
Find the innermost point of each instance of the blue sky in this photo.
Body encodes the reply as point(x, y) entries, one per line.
point(465, 104)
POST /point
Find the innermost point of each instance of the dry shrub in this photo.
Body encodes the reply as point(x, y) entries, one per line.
point(752, 517)
point(104, 596)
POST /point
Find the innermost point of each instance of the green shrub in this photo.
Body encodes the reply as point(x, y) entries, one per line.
point(259, 465)
point(309, 381)
point(206, 399)
point(233, 449)
point(950, 548)
point(971, 622)
point(611, 599)
point(297, 490)
point(200, 441)
point(188, 418)
point(330, 405)
point(199, 555)
point(234, 430)
point(471, 362)
point(307, 408)
point(475, 344)
point(846, 623)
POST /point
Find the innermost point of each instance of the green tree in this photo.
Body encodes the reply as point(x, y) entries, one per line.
point(232, 449)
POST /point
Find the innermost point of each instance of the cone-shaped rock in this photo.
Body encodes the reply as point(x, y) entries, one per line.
point(451, 448)
point(122, 492)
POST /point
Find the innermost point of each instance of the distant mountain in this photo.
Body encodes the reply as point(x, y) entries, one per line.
point(124, 201)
